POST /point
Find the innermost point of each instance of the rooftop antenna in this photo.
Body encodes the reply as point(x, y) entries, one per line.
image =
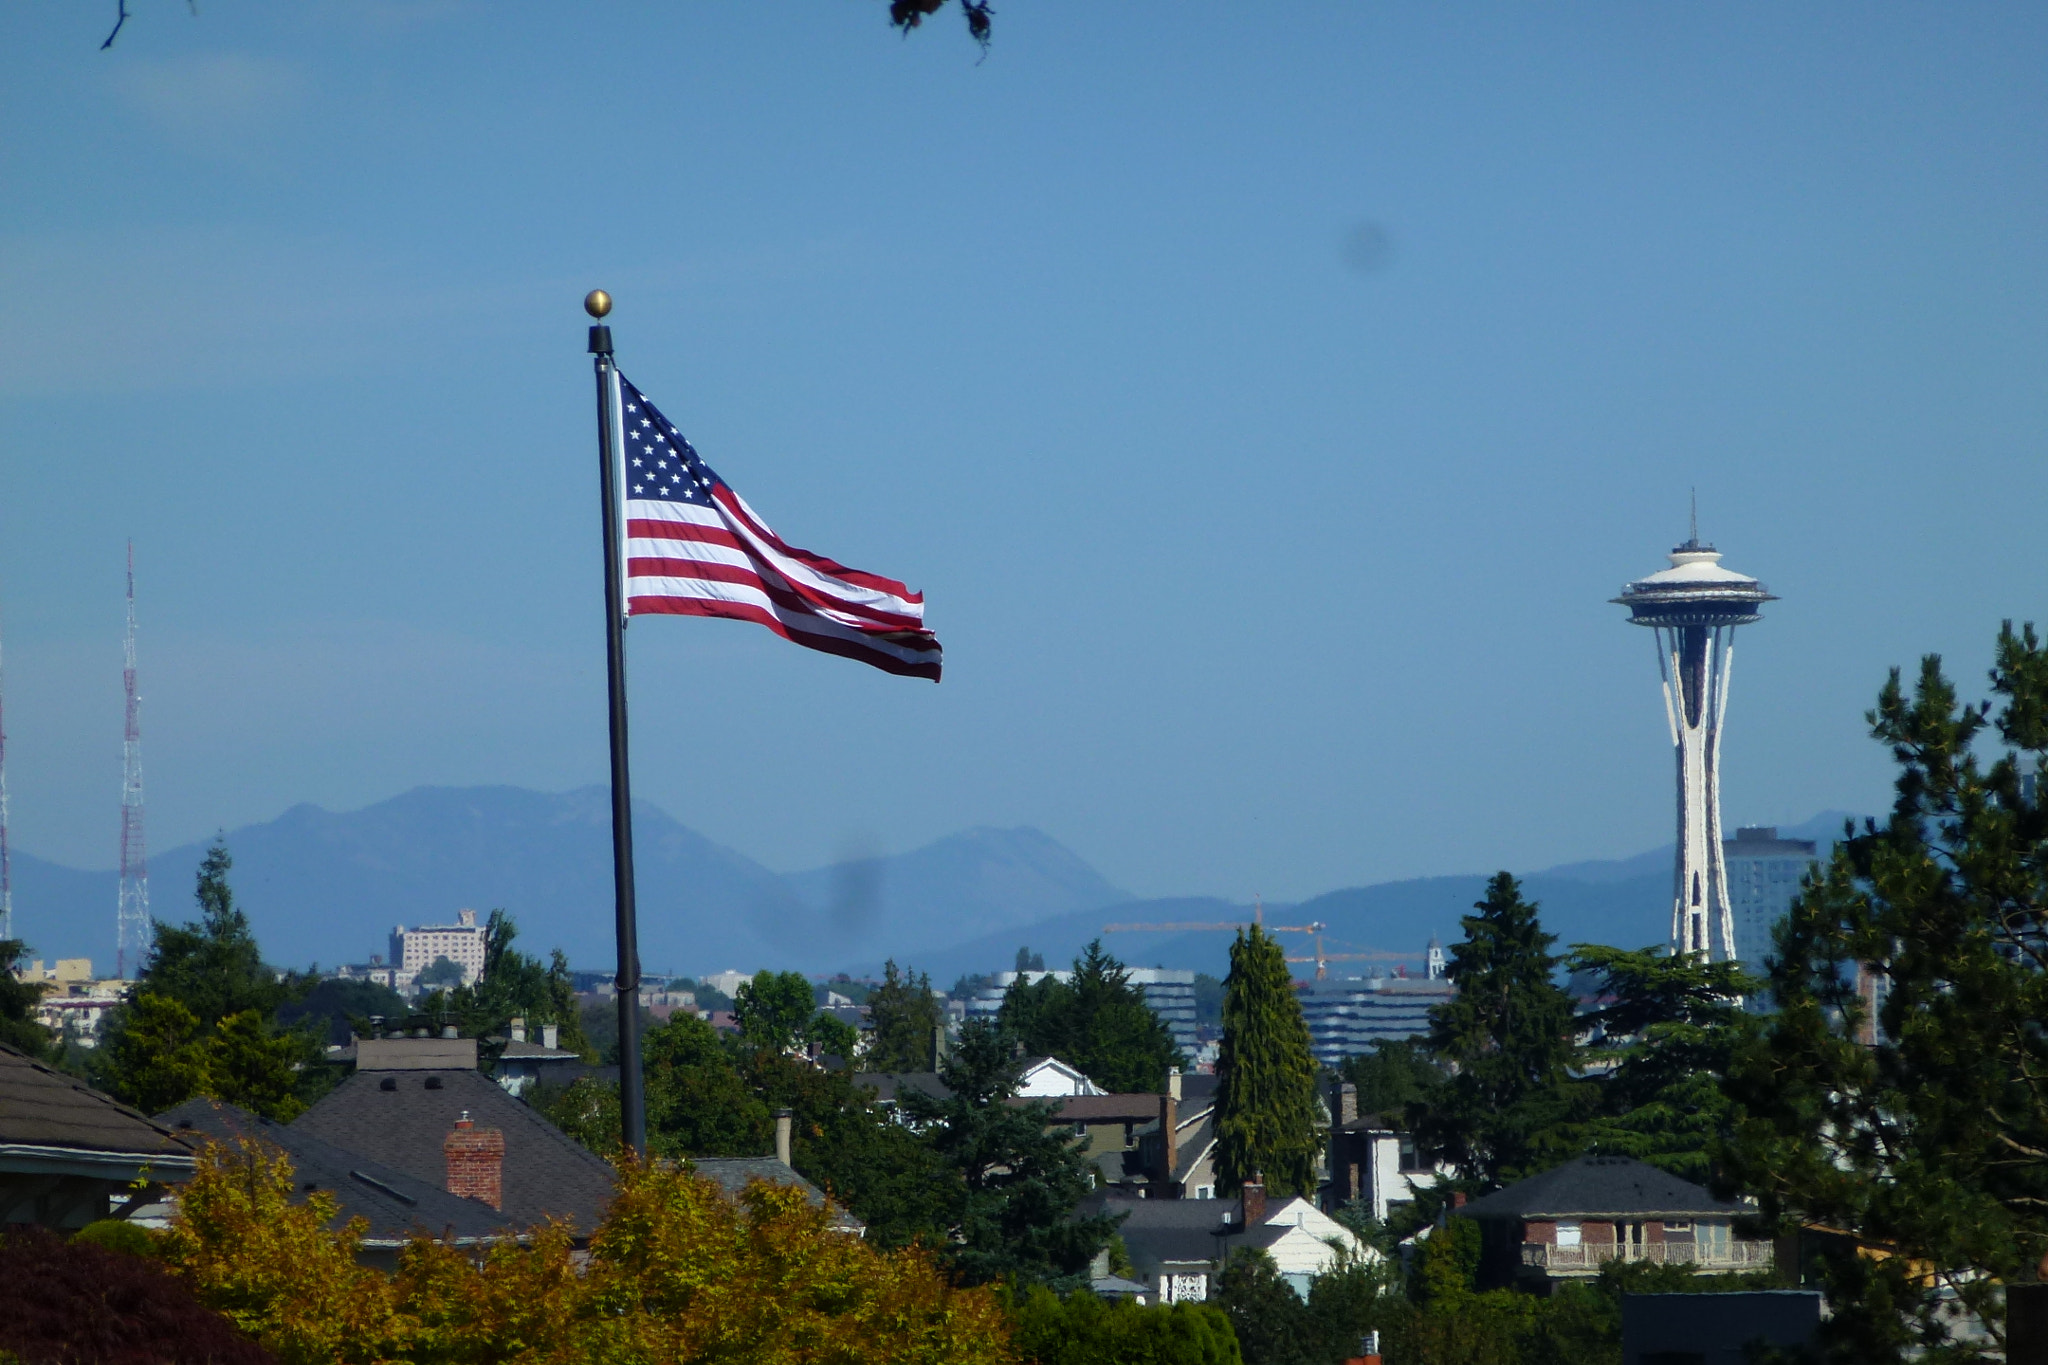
point(6, 854)
point(1695, 517)
point(131, 921)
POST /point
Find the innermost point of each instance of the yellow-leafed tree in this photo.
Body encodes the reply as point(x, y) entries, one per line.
point(677, 1273)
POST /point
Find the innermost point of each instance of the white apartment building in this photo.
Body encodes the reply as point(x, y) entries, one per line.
point(413, 950)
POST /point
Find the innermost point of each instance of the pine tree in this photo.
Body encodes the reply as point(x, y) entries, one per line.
point(1267, 1113)
point(19, 1028)
point(1508, 1039)
point(907, 1018)
point(1921, 1127)
point(1097, 1022)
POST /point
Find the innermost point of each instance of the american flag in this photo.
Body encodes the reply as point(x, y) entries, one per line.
point(694, 548)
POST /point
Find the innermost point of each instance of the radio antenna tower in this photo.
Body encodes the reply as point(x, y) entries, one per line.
point(6, 854)
point(131, 925)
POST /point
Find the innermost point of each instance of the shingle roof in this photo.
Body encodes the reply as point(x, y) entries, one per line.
point(1156, 1231)
point(547, 1173)
point(734, 1173)
point(41, 1107)
point(1107, 1108)
point(889, 1084)
point(1601, 1186)
point(395, 1204)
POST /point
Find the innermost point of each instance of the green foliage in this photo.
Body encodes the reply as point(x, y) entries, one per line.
point(1447, 1264)
point(1271, 1321)
point(1671, 1028)
point(1507, 1039)
point(1397, 1072)
point(1082, 1329)
point(212, 965)
point(1267, 1112)
point(1098, 1023)
point(514, 985)
point(1208, 1001)
point(156, 1057)
point(19, 1028)
point(343, 1007)
point(1927, 1135)
point(906, 1018)
point(118, 1235)
point(778, 1012)
point(1014, 1182)
point(443, 971)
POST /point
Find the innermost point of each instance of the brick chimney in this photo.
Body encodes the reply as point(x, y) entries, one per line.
point(517, 1029)
point(1252, 1206)
point(1169, 1138)
point(550, 1036)
point(476, 1162)
point(784, 1118)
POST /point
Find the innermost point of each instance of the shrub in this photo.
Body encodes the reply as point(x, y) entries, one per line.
point(82, 1304)
point(1085, 1330)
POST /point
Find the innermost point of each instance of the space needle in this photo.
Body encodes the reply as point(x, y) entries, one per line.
point(1694, 607)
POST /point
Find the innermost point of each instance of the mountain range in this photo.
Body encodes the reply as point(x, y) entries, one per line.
point(327, 887)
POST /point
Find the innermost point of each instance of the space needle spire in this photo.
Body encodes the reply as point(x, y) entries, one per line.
point(1693, 608)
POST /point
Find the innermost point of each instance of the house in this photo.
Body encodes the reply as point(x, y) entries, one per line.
point(394, 1206)
point(734, 1173)
point(1178, 1247)
point(1371, 1158)
point(72, 1155)
point(524, 1060)
point(408, 1099)
point(1569, 1221)
point(1176, 1152)
point(1046, 1078)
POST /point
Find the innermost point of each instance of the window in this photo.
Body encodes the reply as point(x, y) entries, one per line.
point(1568, 1232)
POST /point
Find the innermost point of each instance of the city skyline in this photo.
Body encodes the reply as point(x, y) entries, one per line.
point(1265, 410)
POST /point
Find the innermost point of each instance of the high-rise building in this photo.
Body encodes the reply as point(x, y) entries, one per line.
point(414, 950)
point(1694, 607)
point(1764, 872)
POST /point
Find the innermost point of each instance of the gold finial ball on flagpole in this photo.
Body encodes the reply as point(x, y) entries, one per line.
point(597, 303)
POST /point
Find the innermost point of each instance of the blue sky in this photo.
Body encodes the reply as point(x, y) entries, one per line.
point(1267, 399)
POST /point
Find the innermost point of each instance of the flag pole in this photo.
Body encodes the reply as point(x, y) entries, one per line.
point(632, 1093)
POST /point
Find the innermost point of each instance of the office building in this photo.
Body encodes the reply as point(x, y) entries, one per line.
point(1764, 873)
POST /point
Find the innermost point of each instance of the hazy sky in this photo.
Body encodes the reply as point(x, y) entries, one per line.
point(1267, 399)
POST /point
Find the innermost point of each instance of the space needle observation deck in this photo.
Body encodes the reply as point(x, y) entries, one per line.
point(1694, 607)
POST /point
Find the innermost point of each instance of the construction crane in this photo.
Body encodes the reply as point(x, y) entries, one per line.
point(1228, 926)
point(1323, 959)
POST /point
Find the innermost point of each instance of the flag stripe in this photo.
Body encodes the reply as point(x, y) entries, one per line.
point(694, 547)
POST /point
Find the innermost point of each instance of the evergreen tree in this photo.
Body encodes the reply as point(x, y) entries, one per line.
point(1098, 1023)
point(1922, 1126)
point(515, 985)
point(906, 1019)
point(1507, 1039)
point(202, 1019)
point(19, 1028)
point(1268, 1117)
point(1015, 1175)
point(1666, 1036)
point(1395, 1074)
point(774, 1011)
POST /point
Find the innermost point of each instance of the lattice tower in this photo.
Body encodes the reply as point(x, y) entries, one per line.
point(132, 917)
point(6, 852)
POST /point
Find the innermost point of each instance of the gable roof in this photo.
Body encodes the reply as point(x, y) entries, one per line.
point(1602, 1186)
point(889, 1085)
point(42, 1108)
point(1107, 1109)
point(394, 1204)
point(547, 1173)
point(734, 1173)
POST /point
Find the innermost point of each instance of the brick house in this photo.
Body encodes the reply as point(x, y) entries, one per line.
point(1570, 1221)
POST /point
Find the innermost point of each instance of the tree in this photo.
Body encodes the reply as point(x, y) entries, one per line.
point(1397, 1072)
point(1267, 1114)
point(1270, 1320)
point(1028, 961)
point(907, 1020)
point(909, 14)
point(1666, 1035)
point(1082, 1329)
point(345, 1006)
point(203, 1017)
point(442, 971)
point(1508, 1039)
point(676, 1271)
point(775, 1011)
point(1098, 1023)
point(1920, 1126)
point(516, 985)
point(1015, 1177)
point(19, 1028)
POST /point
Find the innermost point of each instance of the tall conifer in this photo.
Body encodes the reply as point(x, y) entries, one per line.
point(1507, 1037)
point(1266, 1107)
